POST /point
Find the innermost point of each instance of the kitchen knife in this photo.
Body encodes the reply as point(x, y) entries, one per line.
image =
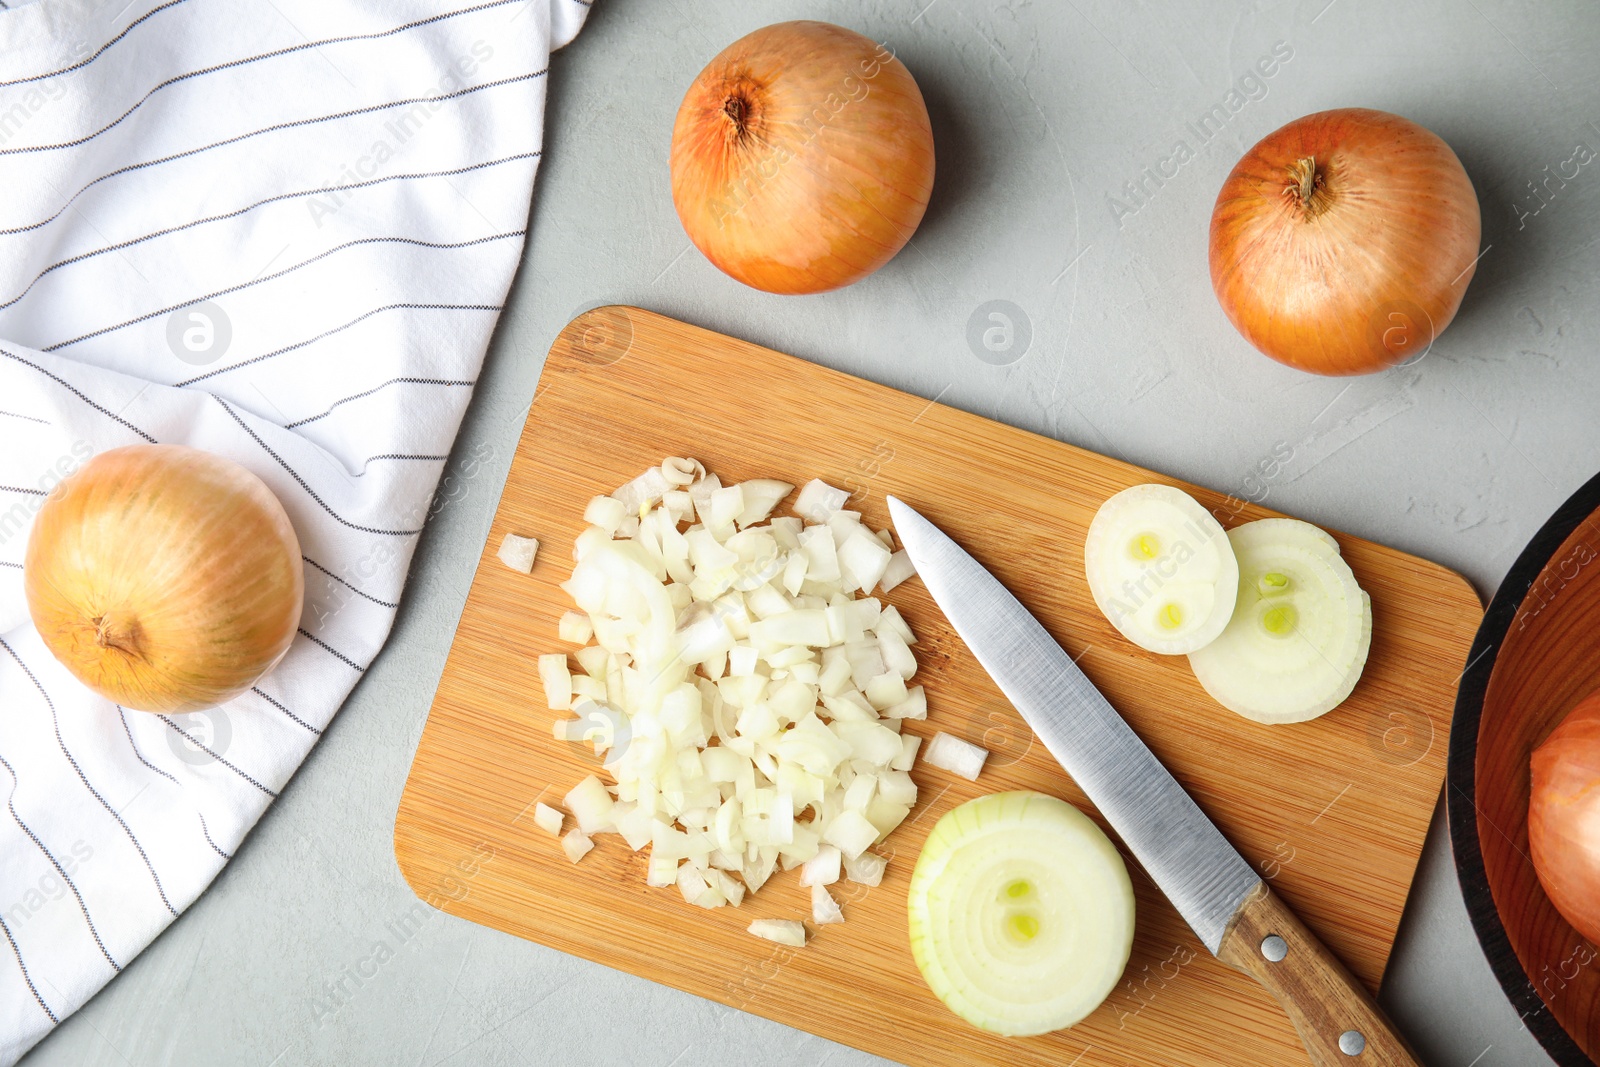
point(1230, 907)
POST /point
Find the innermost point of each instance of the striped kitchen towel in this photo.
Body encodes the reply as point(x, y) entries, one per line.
point(281, 231)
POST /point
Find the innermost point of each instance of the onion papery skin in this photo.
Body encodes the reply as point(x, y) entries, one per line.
point(802, 158)
point(1564, 817)
point(166, 579)
point(1368, 273)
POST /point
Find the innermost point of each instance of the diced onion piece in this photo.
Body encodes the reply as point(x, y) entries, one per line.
point(557, 681)
point(897, 655)
point(843, 524)
point(606, 512)
point(575, 627)
point(700, 491)
point(790, 932)
point(588, 541)
point(819, 501)
point(758, 870)
point(896, 787)
point(956, 756)
point(1021, 913)
point(887, 690)
point(822, 555)
point(821, 869)
point(801, 846)
point(1161, 569)
point(692, 883)
point(576, 844)
point(809, 628)
point(909, 743)
point(677, 471)
point(865, 612)
point(591, 805)
point(870, 741)
point(824, 909)
point(892, 622)
point(547, 818)
point(518, 552)
point(884, 815)
point(860, 793)
point(866, 869)
point(794, 573)
point(661, 871)
point(914, 706)
point(1300, 634)
point(595, 661)
point(731, 889)
point(898, 570)
point(850, 833)
point(862, 560)
point(644, 492)
point(679, 505)
point(761, 495)
point(636, 825)
point(725, 506)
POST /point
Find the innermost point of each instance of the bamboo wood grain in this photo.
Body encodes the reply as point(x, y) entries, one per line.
point(1324, 1001)
point(1333, 812)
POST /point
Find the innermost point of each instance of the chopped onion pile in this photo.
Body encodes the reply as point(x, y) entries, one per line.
point(746, 690)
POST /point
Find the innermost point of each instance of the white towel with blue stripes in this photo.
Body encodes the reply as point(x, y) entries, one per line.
point(277, 230)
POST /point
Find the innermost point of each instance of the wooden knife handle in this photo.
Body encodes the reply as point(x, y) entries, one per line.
point(1338, 1021)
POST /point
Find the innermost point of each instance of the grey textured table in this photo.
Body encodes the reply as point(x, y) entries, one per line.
point(1043, 114)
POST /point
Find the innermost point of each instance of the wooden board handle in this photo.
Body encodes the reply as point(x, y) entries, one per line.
point(1338, 1020)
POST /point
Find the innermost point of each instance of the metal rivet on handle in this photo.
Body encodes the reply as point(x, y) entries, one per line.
point(1274, 948)
point(1352, 1043)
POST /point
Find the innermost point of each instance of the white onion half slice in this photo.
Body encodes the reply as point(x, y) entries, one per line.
point(1021, 913)
point(1161, 569)
point(1299, 636)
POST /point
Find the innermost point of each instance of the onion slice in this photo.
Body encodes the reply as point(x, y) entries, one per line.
point(1299, 636)
point(1021, 913)
point(1161, 569)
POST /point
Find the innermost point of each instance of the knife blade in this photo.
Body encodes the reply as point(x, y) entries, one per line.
point(1230, 907)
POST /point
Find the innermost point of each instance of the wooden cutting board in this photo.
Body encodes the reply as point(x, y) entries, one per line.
point(1333, 811)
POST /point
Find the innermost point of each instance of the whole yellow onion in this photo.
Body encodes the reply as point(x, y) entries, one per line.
point(1343, 242)
point(802, 158)
point(165, 578)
